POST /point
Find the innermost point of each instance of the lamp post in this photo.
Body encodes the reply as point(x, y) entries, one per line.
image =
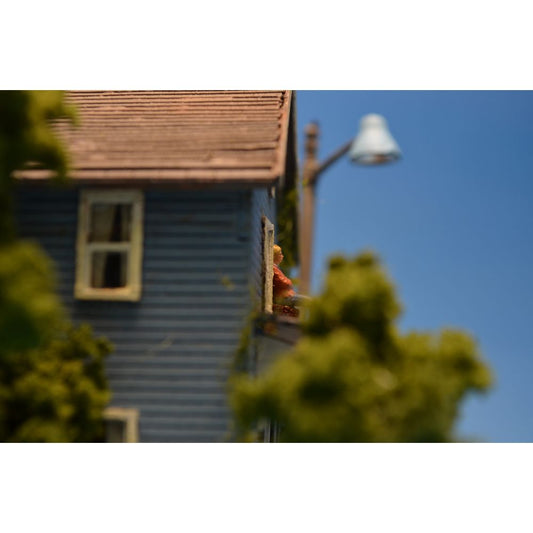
point(373, 145)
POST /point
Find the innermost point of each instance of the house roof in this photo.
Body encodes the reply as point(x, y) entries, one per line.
point(193, 137)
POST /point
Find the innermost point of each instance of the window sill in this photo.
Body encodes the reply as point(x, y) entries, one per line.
point(124, 294)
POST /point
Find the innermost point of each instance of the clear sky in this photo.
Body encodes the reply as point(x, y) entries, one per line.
point(452, 222)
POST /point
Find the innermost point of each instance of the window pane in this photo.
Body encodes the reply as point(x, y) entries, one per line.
point(115, 431)
point(110, 222)
point(109, 270)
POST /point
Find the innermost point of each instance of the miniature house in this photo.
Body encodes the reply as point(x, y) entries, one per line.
point(163, 242)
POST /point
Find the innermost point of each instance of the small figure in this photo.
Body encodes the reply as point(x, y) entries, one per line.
point(282, 289)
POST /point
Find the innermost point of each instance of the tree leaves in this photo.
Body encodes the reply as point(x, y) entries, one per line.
point(354, 378)
point(52, 382)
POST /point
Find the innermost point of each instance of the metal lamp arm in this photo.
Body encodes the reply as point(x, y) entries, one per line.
point(312, 167)
point(335, 156)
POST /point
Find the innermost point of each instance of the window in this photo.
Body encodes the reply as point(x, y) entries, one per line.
point(268, 431)
point(109, 246)
point(121, 424)
point(268, 264)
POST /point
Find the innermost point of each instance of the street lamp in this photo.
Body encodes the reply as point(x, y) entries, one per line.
point(373, 145)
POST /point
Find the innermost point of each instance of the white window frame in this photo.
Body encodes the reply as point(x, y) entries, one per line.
point(268, 264)
point(129, 417)
point(82, 288)
point(267, 431)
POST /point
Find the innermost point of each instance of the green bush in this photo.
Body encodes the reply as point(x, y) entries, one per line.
point(52, 382)
point(354, 378)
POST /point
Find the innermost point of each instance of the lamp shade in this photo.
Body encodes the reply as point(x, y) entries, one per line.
point(374, 144)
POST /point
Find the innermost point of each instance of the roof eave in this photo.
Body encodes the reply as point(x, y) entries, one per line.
point(279, 167)
point(142, 178)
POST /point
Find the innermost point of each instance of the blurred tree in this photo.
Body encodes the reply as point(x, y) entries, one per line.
point(52, 382)
point(354, 378)
point(26, 137)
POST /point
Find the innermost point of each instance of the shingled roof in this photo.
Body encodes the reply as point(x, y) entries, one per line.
point(176, 136)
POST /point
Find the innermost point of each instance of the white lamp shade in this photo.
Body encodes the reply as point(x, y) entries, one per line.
point(374, 144)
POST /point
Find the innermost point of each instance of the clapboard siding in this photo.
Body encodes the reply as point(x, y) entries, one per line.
point(173, 349)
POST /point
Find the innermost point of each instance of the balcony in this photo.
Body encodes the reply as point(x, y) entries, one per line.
point(277, 332)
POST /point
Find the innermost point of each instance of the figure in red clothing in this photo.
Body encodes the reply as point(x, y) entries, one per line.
point(283, 292)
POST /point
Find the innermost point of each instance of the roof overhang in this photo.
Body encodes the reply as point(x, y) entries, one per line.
point(181, 138)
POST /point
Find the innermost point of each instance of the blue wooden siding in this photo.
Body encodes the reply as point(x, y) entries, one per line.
point(174, 348)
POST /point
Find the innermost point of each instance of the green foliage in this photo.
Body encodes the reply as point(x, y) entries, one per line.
point(57, 391)
point(241, 357)
point(52, 382)
point(26, 137)
point(25, 130)
point(28, 304)
point(354, 378)
point(287, 223)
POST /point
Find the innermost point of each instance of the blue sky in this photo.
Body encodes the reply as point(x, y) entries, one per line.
point(452, 223)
